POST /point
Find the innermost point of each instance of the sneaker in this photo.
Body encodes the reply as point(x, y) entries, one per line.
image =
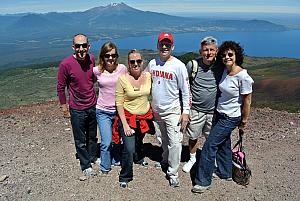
point(174, 182)
point(215, 176)
point(98, 161)
point(104, 172)
point(188, 166)
point(161, 165)
point(144, 163)
point(157, 165)
point(116, 164)
point(199, 189)
point(123, 184)
point(89, 172)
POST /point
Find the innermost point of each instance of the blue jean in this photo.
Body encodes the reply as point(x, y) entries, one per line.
point(217, 147)
point(84, 126)
point(105, 121)
point(132, 152)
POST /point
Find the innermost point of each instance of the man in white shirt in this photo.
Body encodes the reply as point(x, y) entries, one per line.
point(169, 76)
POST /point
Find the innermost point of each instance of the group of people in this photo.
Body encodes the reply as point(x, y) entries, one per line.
point(210, 96)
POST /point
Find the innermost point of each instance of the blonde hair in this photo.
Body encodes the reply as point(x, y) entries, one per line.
point(133, 51)
point(106, 47)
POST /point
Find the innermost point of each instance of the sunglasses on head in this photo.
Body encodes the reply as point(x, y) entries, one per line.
point(230, 54)
point(111, 55)
point(138, 61)
point(83, 45)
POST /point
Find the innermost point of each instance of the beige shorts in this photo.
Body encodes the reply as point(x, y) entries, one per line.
point(199, 125)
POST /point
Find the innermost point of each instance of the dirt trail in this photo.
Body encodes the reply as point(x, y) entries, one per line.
point(37, 154)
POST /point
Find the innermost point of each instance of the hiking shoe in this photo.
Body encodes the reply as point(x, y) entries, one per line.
point(89, 172)
point(188, 166)
point(199, 189)
point(123, 184)
point(174, 182)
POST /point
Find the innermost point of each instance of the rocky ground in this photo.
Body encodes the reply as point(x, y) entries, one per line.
point(37, 160)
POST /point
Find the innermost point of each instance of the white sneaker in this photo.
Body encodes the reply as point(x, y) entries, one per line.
point(188, 166)
point(89, 172)
point(199, 189)
point(215, 176)
point(174, 182)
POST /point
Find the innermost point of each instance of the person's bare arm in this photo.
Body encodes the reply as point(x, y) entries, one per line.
point(245, 110)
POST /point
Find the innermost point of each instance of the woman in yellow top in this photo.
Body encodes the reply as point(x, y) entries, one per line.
point(135, 115)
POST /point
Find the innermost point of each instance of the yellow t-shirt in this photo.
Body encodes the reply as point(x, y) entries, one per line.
point(134, 100)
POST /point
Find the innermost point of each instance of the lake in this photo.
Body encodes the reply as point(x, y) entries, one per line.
point(261, 44)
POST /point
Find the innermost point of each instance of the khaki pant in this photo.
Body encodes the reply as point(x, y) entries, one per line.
point(171, 139)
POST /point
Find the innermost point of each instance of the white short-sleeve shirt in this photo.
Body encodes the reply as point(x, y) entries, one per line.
point(232, 88)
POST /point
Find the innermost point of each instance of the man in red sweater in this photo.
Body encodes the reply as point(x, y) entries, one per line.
point(76, 73)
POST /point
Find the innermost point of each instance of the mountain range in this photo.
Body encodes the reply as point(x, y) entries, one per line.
point(45, 36)
point(115, 20)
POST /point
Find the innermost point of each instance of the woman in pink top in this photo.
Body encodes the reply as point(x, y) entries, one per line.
point(107, 72)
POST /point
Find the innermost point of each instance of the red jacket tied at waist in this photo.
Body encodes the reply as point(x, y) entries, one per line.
point(131, 120)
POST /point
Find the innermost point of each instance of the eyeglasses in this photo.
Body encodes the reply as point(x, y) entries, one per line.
point(111, 55)
point(138, 61)
point(230, 54)
point(83, 45)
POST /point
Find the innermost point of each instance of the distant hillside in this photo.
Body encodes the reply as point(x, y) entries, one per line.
point(276, 82)
point(36, 38)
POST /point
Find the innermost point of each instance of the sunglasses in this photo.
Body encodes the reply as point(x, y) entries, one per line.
point(229, 55)
point(111, 55)
point(168, 45)
point(83, 45)
point(138, 61)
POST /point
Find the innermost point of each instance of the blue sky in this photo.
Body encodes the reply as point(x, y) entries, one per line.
point(165, 6)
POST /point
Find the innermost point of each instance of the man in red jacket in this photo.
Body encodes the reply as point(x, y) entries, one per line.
point(76, 73)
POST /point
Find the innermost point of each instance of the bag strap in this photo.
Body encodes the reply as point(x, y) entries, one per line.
point(194, 69)
point(239, 143)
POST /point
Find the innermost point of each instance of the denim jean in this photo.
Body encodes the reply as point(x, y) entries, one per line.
point(84, 126)
point(105, 121)
point(132, 152)
point(217, 147)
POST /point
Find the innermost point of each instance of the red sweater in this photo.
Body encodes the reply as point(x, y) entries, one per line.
point(79, 79)
point(131, 119)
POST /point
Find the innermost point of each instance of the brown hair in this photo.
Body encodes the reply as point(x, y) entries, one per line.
point(106, 47)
